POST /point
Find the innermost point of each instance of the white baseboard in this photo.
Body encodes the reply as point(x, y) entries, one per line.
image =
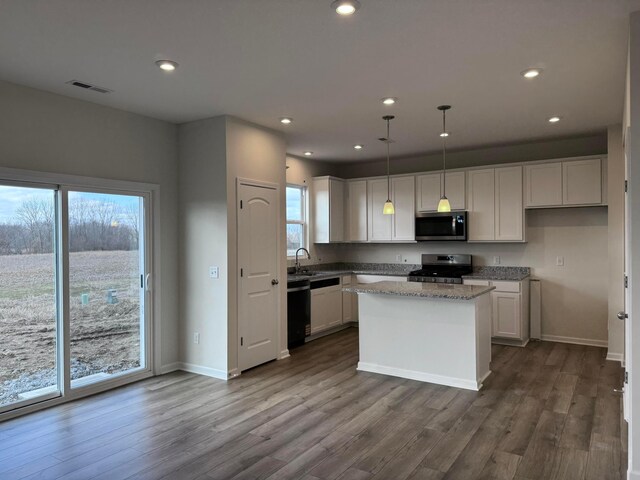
point(200, 370)
point(575, 340)
point(616, 357)
point(421, 376)
point(284, 354)
point(170, 367)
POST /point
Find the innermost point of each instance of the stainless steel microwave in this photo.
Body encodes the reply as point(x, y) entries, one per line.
point(449, 226)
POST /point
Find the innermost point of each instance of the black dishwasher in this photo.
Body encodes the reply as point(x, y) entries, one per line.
point(298, 312)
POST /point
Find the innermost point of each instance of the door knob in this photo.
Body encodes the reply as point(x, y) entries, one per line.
point(274, 282)
point(622, 316)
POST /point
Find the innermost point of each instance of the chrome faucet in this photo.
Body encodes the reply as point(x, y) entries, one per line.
point(298, 261)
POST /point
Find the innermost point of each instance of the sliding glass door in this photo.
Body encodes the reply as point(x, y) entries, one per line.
point(106, 285)
point(28, 295)
point(73, 289)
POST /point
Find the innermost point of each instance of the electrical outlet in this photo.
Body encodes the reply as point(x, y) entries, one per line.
point(496, 260)
point(560, 261)
point(196, 338)
point(399, 258)
point(214, 272)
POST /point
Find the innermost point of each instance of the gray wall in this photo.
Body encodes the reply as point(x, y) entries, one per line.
point(214, 153)
point(522, 152)
point(253, 153)
point(203, 224)
point(44, 132)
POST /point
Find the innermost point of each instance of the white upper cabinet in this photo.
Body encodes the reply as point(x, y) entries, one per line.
point(543, 184)
point(495, 205)
point(328, 210)
point(403, 197)
point(429, 189)
point(509, 216)
point(481, 198)
point(566, 183)
point(456, 190)
point(582, 182)
point(356, 211)
point(379, 225)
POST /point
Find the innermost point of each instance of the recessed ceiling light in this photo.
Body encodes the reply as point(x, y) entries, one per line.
point(345, 7)
point(286, 120)
point(444, 134)
point(308, 154)
point(389, 100)
point(531, 72)
point(358, 147)
point(554, 119)
point(167, 65)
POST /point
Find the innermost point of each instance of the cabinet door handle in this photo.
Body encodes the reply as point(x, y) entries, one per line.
point(622, 316)
point(275, 282)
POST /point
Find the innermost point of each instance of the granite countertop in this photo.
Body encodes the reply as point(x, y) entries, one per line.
point(329, 270)
point(513, 274)
point(419, 289)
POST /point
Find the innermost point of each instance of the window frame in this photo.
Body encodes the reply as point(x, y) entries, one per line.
point(63, 183)
point(304, 214)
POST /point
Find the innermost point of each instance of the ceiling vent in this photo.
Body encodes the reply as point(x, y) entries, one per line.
point(88, 86)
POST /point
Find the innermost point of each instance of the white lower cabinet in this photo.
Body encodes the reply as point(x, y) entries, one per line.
point(506, 315)
point(510, 310)
point(326, 308)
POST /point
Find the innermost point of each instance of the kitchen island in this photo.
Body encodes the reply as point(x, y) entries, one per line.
point(431, 332)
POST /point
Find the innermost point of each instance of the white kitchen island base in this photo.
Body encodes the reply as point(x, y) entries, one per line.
point(438, 340)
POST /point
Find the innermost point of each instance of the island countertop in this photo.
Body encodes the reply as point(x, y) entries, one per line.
point(419, 289)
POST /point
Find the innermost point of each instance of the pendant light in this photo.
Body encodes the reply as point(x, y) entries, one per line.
point(443, 204)
point(388, 208)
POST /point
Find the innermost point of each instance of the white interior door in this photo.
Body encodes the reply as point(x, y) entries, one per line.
point(258, 280)
point(627, 272)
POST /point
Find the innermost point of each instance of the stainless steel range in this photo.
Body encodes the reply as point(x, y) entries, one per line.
point(442, 269)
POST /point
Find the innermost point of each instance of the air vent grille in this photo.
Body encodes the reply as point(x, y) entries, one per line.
point(88, 86)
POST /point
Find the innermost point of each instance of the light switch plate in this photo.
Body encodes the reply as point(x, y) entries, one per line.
point(560, 261)
point(214, 272)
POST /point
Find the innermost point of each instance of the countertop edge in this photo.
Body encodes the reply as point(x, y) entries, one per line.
point(362, 288)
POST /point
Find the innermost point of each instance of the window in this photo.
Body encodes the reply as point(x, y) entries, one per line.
point(73, 293)
point(296, 219)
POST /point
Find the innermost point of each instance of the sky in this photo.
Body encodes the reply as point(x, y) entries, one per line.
point(11, 198)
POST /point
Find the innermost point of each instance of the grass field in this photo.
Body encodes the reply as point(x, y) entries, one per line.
point(105, 337)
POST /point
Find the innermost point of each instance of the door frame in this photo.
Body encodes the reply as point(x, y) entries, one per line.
point(273, 186)
point(64, 183)
point(147, 346)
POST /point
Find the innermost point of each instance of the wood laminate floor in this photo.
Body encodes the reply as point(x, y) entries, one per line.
point(548, 411)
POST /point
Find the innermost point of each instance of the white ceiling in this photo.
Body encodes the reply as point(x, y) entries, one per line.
point(263, 59)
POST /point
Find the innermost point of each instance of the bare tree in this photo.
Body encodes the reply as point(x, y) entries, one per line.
point(38, 215)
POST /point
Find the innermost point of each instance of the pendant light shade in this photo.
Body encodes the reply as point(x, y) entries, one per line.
point(388, 208)
point(444, 205)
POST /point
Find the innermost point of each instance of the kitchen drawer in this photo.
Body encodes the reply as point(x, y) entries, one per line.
point(509, 287)
point(470, 281)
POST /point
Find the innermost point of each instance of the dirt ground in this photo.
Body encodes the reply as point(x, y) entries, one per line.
point(105, 334)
